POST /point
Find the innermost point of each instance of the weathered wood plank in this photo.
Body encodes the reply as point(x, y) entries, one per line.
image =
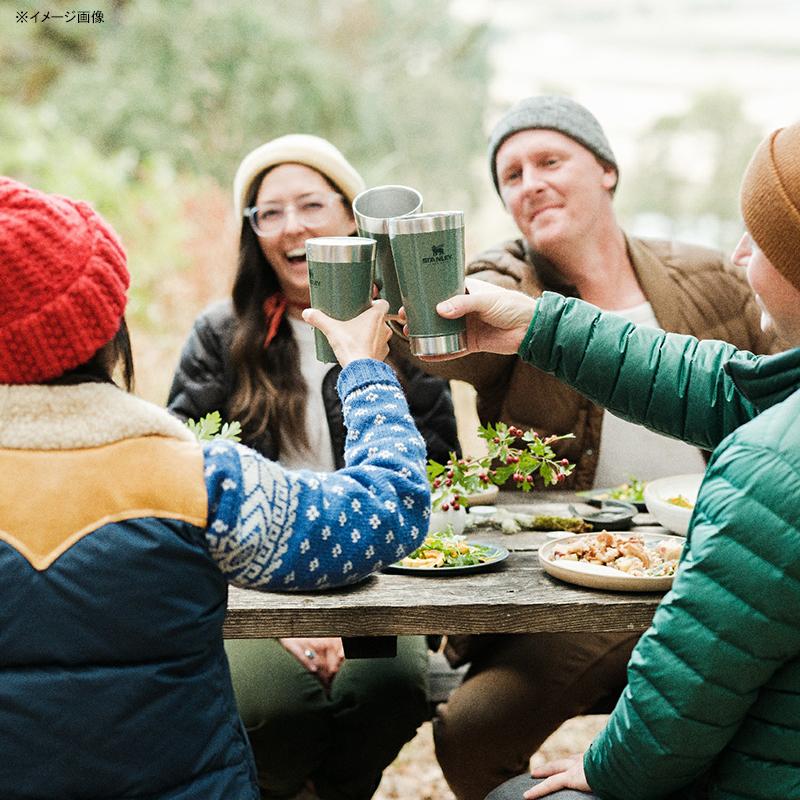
point(518, 598)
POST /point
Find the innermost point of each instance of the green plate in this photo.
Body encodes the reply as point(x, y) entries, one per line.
point(497, 554)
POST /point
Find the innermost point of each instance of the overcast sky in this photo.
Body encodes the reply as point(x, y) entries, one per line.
point(633, 60)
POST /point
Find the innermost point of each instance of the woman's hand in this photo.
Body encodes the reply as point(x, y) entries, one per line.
point(565, 773)
point(365, 336)
point(323, 657)
point(497, 319)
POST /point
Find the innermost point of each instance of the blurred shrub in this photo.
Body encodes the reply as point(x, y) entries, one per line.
point(176, 229)
point(402, 93)
point(143, 199)
point(689, 166)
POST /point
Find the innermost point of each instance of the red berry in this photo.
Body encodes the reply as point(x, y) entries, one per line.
point(564, 462)
point(529, 478)
point(456, 506)
point(448, 482)
point(445, 506)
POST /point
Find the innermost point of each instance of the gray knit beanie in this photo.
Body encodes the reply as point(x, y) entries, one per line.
point(555, 113)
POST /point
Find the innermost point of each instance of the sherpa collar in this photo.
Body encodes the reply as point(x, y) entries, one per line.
point(36, 417)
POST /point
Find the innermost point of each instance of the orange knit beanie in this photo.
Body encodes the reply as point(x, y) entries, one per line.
point(770, 200)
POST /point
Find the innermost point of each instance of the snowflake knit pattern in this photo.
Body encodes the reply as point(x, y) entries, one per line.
point(276, 529)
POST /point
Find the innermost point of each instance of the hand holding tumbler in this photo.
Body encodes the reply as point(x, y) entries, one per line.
point(340, 276)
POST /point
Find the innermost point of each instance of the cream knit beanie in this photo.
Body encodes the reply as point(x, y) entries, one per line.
point(296, 148)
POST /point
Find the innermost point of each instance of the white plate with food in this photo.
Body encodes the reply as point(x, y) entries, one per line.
point(624, 562)
point(671, 500)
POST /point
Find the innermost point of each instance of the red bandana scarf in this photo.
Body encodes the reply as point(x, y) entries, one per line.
point(274, 310)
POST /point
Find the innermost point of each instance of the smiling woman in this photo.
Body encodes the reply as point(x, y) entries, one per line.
point(254, 360)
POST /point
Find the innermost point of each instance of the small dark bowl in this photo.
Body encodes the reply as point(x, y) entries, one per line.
point(614, 515)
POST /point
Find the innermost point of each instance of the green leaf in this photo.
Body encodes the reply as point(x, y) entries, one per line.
point(210, 427)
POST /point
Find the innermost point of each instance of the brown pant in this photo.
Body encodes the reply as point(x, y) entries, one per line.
point(515, 694)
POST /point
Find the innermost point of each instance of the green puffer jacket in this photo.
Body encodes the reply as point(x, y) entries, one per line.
point(713, 695)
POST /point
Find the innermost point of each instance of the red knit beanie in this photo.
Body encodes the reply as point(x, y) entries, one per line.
point(62, 283)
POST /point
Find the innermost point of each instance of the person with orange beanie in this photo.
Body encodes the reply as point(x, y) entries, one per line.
point(712, 705)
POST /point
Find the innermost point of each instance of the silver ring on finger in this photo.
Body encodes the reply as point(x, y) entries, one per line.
point(310, 654)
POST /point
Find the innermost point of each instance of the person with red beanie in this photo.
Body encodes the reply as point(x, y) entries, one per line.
point(119, 532)
point(711, 710)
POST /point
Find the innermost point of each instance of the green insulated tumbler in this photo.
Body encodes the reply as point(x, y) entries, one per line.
point(373, 208)
point(428, 252)
point(340, 275)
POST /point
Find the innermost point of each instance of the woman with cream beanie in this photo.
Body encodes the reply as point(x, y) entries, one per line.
point(320, 726)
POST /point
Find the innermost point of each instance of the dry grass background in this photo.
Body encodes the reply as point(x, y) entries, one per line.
point(415, 774)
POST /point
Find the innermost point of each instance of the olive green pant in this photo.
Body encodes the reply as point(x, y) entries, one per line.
point(343, 742)
point(518, 690)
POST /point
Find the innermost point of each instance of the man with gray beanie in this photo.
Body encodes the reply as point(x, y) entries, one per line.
point(556, 174)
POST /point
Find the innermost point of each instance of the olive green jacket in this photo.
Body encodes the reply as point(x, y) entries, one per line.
point(713, 695)
point(692, 290)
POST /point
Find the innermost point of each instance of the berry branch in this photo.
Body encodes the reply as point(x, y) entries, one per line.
point(459, 477)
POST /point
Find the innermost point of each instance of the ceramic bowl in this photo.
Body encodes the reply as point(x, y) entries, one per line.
point(657, 496)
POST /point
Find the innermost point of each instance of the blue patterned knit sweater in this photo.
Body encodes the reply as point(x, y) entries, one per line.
point(271, 528)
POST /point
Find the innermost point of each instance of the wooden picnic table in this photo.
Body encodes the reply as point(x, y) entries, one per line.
point(516, 597)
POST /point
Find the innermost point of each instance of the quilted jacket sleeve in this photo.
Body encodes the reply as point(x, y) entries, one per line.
point(503, 265)
point(276, 529)
point(710, 683)
point(201, 381)
point(672, 384)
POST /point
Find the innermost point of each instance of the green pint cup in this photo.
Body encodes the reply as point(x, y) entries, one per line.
point(373, 208)
point(428, 252)
point(340, 273)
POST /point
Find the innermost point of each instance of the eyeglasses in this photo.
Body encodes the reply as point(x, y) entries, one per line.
point(312, 211)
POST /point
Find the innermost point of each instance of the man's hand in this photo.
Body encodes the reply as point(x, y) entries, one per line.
point(497, 319)
point(565, 773)
point(365, 336)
